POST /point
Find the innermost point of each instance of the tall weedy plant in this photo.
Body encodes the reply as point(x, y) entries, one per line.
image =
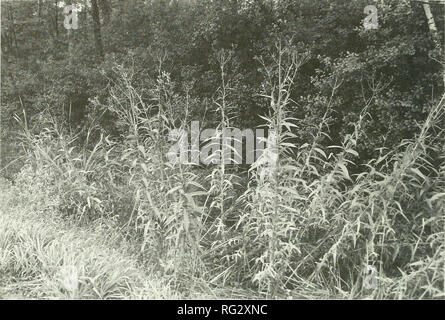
point(222, 180)
point(268, 223)
point(165, 214)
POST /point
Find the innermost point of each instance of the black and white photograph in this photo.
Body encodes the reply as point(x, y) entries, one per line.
point(222, 150)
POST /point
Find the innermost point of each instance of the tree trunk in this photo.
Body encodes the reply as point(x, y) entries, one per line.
point(434, 33)
point(14, 35)
point(70, 41)
point(56, 20)
point(39, 14)
point(105, 7)
point(96, 28)
point(431, 22)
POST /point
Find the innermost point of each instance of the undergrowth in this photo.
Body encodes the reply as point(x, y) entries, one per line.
point(36, 246)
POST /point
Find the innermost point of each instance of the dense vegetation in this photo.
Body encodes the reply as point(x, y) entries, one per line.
point(359, 117)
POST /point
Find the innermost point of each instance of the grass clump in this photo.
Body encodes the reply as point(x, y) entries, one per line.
point(36, 246)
